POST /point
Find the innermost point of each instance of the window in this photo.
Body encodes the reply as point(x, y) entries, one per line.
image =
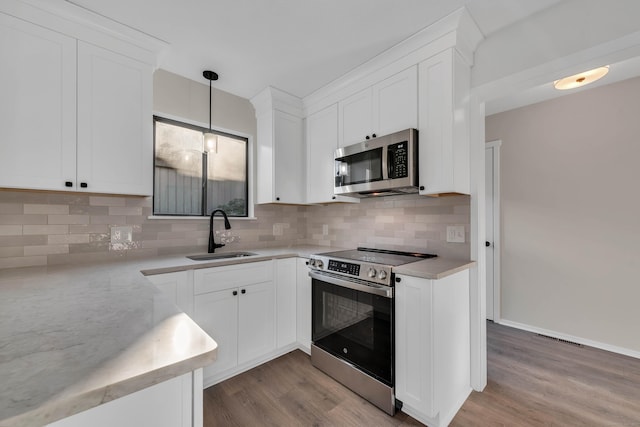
point(193, 180)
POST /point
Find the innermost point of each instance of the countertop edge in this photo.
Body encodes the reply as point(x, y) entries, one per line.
point(435, 268)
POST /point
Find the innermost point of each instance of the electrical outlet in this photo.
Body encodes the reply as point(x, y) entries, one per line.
point(455, 233)
point(121, 234)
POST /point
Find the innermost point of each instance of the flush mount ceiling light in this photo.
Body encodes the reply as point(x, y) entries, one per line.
point(581, 79)
point(210, 138)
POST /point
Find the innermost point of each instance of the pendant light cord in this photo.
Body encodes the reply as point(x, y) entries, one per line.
point(209, 105)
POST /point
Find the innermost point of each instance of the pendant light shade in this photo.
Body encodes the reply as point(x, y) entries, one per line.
point(210, 138)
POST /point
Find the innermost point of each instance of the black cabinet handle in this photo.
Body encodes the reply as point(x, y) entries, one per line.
point(83, 185)
point(235, 293)
point(373, 136)
point(421, 187)
point(398, 280)
point(487, 244)
point(68, 184)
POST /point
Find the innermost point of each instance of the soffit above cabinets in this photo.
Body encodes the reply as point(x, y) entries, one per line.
point(296, 46)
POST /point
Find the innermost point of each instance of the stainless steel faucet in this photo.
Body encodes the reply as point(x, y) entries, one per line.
point(227, 226)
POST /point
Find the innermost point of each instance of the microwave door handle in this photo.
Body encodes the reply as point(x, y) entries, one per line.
point(385, 163)
point(391, 162)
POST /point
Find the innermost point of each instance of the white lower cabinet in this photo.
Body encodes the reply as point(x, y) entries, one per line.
point(432, 346)
point(286, 302)
point(236, 306)
point(174, 403)
point(303, 306)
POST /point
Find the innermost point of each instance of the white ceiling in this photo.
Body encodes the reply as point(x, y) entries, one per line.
point(294, 45)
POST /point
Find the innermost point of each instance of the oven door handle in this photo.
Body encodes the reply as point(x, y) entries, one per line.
point(383, 291)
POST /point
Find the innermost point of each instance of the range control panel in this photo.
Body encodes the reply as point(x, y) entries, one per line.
point(344, 267)
point(376, 273)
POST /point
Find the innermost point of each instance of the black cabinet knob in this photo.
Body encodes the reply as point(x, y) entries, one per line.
point(244, 291)
point(421, 187)
point(487, 244)
point(277, 199)
point(83, 185)
point(235, 293)
point(333, 198)
point(307, 262)
point(398, 280)
point(68, 184)
point(373, 136)
point(366, 137)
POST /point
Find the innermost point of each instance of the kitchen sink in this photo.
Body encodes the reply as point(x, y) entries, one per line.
point(221, 255)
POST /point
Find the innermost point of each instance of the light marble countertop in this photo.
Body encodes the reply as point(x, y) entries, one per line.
point(434, 268)
point(75, 336)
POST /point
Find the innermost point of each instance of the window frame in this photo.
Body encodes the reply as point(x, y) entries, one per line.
point(201, 127)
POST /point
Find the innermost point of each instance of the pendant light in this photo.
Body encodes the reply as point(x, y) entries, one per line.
point(210, 138)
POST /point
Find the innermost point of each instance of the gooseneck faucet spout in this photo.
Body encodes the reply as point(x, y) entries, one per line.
point(213, 245)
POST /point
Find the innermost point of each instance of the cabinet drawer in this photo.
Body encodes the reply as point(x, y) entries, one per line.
point(231, 276)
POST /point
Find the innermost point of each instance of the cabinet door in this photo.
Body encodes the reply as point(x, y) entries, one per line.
point(303, 307)
point(322, 142)
point(37, 106)
point(288, 155)
point(395, 102)
point(444, 136)
point(178, 287)
point(256, 321)
point(217, 314)
point(355, 117)
point(115, 140)
point(286, 301)
point(414, 338)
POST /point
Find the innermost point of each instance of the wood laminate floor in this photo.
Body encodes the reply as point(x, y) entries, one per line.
point(532, 381)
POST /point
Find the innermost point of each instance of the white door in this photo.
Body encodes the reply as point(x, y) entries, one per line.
point(492, 243)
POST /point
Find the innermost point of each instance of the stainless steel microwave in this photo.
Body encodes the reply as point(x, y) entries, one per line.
point(382, 166)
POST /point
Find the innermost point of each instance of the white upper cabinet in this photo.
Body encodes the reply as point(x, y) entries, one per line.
point(322, 142)
point(386, 107)
point(37, 106)
point(444, 134)
point(75, 116)
point(115, 131)
point(280, 143)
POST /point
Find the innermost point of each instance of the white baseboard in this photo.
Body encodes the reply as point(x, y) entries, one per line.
point(560, 335)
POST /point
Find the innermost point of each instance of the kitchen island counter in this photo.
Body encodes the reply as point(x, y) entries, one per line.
point(73, 337)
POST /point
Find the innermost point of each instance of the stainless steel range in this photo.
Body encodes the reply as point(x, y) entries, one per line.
point(353, 319)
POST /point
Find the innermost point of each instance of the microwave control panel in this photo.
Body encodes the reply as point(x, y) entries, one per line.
point(399, 160)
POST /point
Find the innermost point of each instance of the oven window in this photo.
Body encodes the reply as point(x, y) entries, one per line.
point(361, 167)
point(354, 326)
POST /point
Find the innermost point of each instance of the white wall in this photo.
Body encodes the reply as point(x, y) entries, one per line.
point(571, 214)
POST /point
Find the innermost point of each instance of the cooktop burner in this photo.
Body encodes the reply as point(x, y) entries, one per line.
point(379, 256)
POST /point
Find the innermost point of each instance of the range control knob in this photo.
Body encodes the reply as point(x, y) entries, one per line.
point(312, 262)
point(372, 272)
point(319, 263)
point(382, 275)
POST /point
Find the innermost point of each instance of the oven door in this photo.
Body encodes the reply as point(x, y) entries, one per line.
point(354, 322)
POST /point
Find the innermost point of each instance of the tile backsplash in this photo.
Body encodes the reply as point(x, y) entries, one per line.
point(44, 228)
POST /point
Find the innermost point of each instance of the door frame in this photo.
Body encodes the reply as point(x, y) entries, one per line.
point(497, 247)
